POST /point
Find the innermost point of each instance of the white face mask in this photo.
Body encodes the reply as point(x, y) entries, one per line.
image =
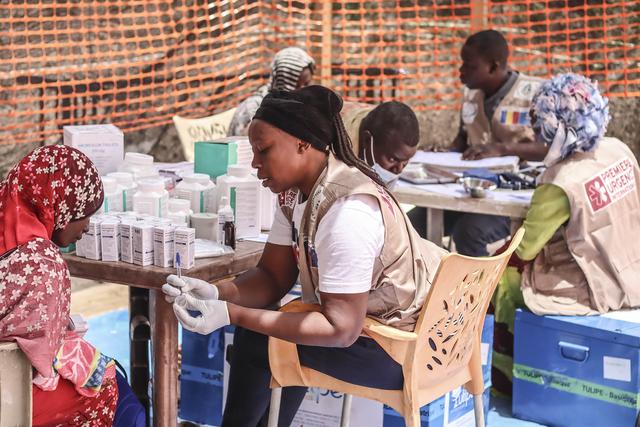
point(388, 177)
point(561, 139)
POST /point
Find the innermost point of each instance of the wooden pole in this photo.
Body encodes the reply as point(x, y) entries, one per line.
point(325, 55)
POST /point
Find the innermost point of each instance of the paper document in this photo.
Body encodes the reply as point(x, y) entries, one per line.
point(453, 161)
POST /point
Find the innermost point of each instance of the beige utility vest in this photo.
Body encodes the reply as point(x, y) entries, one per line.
point(403, 272)
point(592, 263)
point(510, 121)
point(352, 115)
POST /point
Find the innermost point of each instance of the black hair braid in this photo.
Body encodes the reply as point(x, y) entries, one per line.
point(343, 149)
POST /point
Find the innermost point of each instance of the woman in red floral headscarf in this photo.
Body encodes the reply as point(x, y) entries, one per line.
point(45, 201)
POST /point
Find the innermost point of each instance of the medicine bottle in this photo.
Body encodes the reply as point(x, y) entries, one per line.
point(151, 198)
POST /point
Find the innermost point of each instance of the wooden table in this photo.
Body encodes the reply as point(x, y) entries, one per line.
point(437, 203)
point(164, 325)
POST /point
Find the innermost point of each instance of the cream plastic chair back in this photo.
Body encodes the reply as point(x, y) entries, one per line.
point(15, 386)
point(191, 131)
point(442, 353)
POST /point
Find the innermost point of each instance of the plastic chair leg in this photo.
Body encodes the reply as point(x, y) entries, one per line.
point(345, 419)
point(478, 409)
point(274, 408)
point(413, 420)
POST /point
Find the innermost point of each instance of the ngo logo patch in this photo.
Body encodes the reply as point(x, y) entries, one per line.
point(610, 185)
point(287, 199)
point(469, 112)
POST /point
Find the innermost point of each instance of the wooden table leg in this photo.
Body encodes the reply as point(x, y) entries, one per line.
point(165, 361)
point(435, 225)
point(139, 341)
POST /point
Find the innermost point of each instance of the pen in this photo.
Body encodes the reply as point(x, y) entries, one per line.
point(178, 265)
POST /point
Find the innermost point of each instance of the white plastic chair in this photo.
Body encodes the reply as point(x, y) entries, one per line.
point(15, 386)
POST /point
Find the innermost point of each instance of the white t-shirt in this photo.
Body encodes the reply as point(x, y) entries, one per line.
point(348, 241)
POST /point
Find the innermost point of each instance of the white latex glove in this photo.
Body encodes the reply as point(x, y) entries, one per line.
point(213, 314)
point(197, 288)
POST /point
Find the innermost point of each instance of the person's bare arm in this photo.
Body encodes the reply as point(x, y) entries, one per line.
point(459, 143)
point(264, 284)
point(338, 324)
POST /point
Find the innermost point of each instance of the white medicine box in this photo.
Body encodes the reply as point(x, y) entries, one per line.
point(103, 144)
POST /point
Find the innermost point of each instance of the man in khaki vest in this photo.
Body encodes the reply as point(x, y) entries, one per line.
point(385, 136)
point(579, 255)
point(494, 121)
point(494, 118)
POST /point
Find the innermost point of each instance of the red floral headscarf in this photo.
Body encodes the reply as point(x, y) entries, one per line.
point(46, 190)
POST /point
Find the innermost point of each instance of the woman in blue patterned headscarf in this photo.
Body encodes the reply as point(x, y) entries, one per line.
point(569, 115)
point(579, 216)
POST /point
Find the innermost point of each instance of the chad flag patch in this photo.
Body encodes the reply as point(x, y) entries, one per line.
point(514, 116)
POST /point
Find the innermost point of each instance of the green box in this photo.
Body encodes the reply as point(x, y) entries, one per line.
point(213, 157)
point(68, 249)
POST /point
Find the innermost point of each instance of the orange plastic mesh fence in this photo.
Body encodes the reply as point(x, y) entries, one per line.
point(137, 63)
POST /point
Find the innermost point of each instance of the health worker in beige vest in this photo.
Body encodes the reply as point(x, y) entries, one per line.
point(494, 121)
point(385, 136)
point(580, 252)
point(340, 230)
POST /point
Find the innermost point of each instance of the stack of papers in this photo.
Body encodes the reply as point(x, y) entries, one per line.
point(453, 162)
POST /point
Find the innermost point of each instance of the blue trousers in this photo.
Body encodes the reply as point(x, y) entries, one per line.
point(129, 410)
point(470, 232)
point(364, 363)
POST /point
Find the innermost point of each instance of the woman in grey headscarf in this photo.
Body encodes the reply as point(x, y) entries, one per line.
point(291, 68)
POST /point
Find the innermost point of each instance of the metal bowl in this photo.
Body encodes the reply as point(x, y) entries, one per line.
point(477, 187)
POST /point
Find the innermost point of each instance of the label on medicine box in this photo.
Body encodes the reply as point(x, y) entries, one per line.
point(185, 245)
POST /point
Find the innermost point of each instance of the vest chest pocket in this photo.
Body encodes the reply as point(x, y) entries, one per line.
point(383, 300)
point(556, 254)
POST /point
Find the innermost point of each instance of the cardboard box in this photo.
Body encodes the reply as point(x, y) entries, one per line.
point(103, 144)
point(163, 248)
point(205, 372)
point(110, 240)
point(126, 240)
point(201, 377)
point(91, 245)
point(185, 245)
point(213, 157)
point(588, 365)
point(142, 244)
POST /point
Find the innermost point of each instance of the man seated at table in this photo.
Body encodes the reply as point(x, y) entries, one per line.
point(385, 136)
point(494, 121)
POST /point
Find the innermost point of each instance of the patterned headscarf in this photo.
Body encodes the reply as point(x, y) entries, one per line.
point(287, 66)
point(569, 115)
point(46, 190)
